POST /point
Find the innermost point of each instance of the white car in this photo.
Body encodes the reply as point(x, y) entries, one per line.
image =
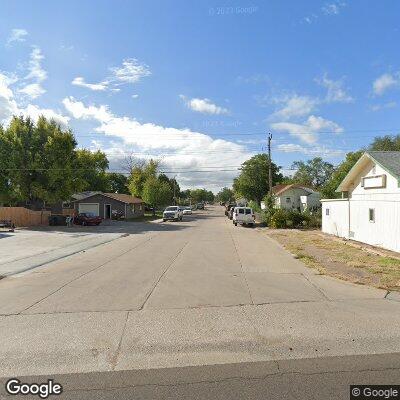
point(172, 213)
point(243, 216)
point(187, 211)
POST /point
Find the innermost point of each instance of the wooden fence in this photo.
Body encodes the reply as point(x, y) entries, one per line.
point(21, 216)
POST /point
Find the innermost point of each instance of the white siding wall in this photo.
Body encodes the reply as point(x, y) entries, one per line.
point(294, 196)
point(337, 222)
point(385, 231)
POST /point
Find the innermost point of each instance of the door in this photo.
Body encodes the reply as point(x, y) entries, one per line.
point(89, 208)
point(107, 211)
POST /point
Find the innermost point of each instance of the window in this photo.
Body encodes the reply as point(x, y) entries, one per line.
point(372, 215)
point(327, 211)
point(288, 199)
point(248, 211)
point(241, 210)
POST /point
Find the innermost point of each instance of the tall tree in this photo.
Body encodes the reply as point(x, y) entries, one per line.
point(225, 195)
point(252, 183)
point(329, 189)
point(117, 183)
point(156, 193)
point(40, 161)
point(91, 170)
point(315, 172)
point(139, 174)
point(386, 143)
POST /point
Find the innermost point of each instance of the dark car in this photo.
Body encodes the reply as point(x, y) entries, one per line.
point(200, 206)
point(87, 219)
point(228, 209)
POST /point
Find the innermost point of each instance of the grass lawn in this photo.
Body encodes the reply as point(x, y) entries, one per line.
point(346, 260)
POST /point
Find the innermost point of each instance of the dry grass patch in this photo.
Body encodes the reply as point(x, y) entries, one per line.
point(342, 259)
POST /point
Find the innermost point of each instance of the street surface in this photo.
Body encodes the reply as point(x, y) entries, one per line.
point(217, 307)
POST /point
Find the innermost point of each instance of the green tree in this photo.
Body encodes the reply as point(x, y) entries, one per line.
point(386, 143)
point(252, 183)
point(117, 183)
point(39, 159)
point(91, 170)
point(225, 195)
point(174, 185)
point(329, 189)
point(139, 174)
point(156, 193)
point(315, 172)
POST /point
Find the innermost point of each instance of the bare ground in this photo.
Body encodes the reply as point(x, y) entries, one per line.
point(344, 259)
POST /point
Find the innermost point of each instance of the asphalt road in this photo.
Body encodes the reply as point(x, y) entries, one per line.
point(197, 298)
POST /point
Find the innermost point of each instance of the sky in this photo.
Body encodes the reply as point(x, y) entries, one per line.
point(199, 84)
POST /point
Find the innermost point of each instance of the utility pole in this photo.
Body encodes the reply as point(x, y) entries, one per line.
point(269, 164)
point(174, 190)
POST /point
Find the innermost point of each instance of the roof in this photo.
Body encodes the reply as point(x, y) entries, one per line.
point(123, 198)
point(279, 189)
point(83, 195)
point(388, 160)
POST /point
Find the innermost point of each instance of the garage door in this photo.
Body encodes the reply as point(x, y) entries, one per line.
point(89, 208)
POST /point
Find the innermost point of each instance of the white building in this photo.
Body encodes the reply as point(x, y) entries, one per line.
point(296, 197)
point(369, 211)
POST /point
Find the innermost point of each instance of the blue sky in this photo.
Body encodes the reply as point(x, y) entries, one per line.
point(198, 84)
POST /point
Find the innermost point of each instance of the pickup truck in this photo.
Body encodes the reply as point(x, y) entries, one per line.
point(243, 216)
point(173, 213)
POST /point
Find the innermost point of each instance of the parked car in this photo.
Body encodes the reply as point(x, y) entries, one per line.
point(243, 216)
point(172, 213)
point(200, 206)
point(87, 219)
point(187, 211)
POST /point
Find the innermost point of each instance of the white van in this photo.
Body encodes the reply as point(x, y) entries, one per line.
point(243, 216)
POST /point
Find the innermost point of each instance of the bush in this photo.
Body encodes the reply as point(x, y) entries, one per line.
point(255, 206)
point(282, 218)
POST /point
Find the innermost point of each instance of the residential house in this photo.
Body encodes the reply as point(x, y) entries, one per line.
point(369, 210)
point(296, 197)
point(106, 204)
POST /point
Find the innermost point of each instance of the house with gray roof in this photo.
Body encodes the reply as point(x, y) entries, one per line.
point(369, 210)
point(105, 205)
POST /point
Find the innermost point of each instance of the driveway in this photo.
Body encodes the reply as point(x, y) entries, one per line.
point(192, 293)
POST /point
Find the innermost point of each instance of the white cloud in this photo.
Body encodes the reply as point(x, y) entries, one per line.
point(378, 107)
point(17, 35)
point(35, 68)
point(336, 93)
point(333, 8)
point(79, 81)
point(178, 148)
point(36, 75)
point(135, 96)
point(8, 105)
point(314, 151)
point(35, 112)
point(385, 82)
point(309, 129)
point(33, 90)
point(131, 71)
point(294, 106)
point(204, 106)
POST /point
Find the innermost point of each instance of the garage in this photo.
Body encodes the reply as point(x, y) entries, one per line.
point(89, 208)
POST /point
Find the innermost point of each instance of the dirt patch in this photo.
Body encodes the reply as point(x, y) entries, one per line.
point(343, 259)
